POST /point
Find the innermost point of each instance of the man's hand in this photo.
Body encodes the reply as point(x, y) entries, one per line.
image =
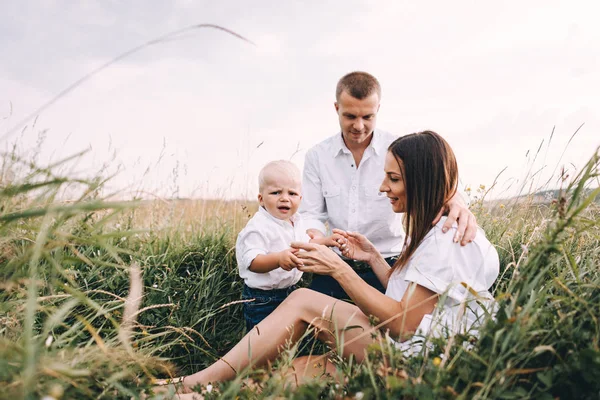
point(355, 246)
point(288, 260)
point(458, 212)
point(316, 236)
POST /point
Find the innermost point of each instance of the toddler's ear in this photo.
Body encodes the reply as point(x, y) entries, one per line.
point(260, 199)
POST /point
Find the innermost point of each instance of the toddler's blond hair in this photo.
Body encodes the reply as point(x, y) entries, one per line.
point(275, 168)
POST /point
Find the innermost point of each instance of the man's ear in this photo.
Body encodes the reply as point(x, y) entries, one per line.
point(337, 107)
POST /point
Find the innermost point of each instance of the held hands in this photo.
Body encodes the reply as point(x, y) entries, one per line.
point(458, 212)
point(355, 246)
point(316, 236)
point(288, 259)
point(318, 259)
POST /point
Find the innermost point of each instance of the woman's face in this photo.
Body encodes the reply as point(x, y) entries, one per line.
point(393, 183)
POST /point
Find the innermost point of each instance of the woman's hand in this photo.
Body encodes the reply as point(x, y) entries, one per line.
point(356, 246)
point(318, 259)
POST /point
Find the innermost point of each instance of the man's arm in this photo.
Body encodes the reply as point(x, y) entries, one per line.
point(313, 208)
point(458, 212)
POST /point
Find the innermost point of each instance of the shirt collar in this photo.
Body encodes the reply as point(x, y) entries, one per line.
point(376, 142)
point(281, 222)
point(338, 146)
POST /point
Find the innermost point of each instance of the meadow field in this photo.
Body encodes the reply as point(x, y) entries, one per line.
point(72, 325)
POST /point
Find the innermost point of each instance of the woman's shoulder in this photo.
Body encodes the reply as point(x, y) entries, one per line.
point(442, 260)
point(446, 239)
point(438, 245)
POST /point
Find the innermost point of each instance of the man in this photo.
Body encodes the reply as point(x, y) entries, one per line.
point(341, 182)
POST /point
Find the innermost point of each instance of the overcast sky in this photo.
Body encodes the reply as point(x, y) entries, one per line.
point(199, 115)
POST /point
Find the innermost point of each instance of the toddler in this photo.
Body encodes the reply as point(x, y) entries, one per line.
point(265, 260)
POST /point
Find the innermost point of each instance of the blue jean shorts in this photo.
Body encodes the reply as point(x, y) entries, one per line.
point(263, 304)
point(329, 286)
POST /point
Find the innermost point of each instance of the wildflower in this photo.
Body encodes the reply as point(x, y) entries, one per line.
point(437, 361)
point(482, 187)
point(502, 205)
point(359, 395)
point(49, 340)
point(155, 286)
point(209, 388)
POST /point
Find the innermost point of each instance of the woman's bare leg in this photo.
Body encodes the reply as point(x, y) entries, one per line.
point(307, 368)
point(288, 322)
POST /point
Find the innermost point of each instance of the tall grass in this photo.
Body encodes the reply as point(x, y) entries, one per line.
point(79, 319)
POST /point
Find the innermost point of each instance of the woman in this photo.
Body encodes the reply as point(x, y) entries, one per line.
point(421, 175)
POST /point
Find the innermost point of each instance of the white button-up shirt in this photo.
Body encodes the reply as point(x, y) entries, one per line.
point(345, 197)
point(456, 273)
point(265, 234)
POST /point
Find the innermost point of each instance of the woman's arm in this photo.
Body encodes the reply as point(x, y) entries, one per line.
point(400, 317)
point(357, 247)
point(381, 268)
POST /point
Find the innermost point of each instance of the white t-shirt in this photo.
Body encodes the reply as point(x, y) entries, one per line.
point(348, 198)
point(459, 274)
point(265, 234)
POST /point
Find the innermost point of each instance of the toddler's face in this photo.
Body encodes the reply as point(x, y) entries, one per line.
point(281, 196)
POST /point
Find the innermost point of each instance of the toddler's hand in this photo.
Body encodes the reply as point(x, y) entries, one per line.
point(288, 260)
point(335, 240)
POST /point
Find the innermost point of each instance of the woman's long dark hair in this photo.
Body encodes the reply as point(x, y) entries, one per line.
point(430, 175)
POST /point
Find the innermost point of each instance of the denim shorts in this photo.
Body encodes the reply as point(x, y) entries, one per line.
point(329, 286)
point(265, 301)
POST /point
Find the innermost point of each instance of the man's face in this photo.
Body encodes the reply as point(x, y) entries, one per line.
point(357, 118)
